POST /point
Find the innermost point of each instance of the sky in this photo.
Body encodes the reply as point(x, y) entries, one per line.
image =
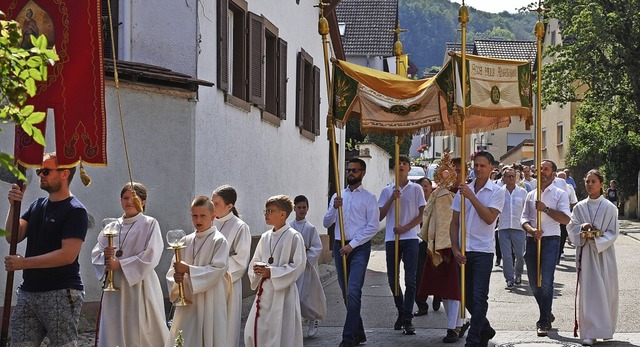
point(496, 6)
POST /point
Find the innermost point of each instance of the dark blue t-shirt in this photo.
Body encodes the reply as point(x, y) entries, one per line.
point(49, 223)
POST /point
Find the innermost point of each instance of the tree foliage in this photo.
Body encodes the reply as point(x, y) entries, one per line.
point(598, 65)
point(20, 70)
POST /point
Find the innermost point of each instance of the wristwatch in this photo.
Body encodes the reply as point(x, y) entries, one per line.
point(546, 210)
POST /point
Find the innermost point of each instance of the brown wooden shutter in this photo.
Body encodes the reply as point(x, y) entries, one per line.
point(316, 100)
point(256, 59)
point(282, 79)
point(223, 45)
point(300, 91)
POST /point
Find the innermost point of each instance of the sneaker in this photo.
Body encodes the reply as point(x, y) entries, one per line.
point(510, 285)
point(398, 324)
point(588, 342)
point(561, 255)
point(313, 328)
point(452, 336)
point(542, 331)
point(421, 312)
point(408, 328)
point(518, 280)
point(359, 338)
point(436, 303)
point(463, 329)
point(485, 336)
point(498, 262)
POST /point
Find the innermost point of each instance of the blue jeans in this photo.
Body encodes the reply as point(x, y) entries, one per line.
point(357, 262)
point(408, 253)
point(477, 274)
point(548, 259)
point(512, 240)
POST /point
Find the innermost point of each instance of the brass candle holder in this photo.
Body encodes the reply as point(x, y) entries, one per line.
point(176, 239)
point(109, 230)
point(591, 234)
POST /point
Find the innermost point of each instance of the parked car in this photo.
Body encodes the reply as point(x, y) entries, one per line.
point(416, 173)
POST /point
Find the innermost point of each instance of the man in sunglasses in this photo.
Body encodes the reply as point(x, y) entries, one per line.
point(51, 294)
point(360, 225)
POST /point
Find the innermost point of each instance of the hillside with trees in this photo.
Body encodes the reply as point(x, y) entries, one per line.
point(433, 23)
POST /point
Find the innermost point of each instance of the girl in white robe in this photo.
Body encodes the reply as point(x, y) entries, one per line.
point(280, 257)
point(595, 262)
point(238, 235)
point(133, 316)
point(208, 286)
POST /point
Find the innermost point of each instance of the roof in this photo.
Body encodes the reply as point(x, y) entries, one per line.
point(455, 47)
point(526, 142)
point(369, 25)
point(151, 74)
point(502, 49)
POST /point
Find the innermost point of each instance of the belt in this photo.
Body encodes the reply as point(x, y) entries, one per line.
point(346, 242)
point(544, 237)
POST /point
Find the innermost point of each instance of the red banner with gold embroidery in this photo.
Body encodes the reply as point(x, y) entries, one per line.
point(74, 89)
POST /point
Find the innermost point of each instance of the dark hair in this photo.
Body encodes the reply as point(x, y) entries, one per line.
point(363, 165)
point(456, 161)
point(517, 166)
point(597, 173)
point(282, 202)
point(486, 155)
point(141, 191)
point(300, 198)
point(554, 167)
point(54, 156)
point(229, 196)
point(404, 159)
point(419, 181)
point(204, 201)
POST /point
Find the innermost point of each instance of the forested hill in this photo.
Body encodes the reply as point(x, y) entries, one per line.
point(433, 23)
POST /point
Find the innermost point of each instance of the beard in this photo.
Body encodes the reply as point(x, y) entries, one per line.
point(49, 187)
point(353, 180)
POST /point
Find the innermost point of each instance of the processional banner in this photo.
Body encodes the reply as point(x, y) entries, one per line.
point(74, 89)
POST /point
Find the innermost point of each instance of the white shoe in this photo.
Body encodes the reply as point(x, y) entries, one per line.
point(313, 328)
point(588, 342)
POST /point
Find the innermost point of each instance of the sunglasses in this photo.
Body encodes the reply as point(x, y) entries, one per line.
point(45, 172)
point(353, 170)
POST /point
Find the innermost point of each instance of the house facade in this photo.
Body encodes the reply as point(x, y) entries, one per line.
point(240, 99)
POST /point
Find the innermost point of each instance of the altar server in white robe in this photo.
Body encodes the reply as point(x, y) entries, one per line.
point(595, 261)
point(134, 315)
point(203, 272)
point(238, 235)
point(278, 261)
point(313, 302)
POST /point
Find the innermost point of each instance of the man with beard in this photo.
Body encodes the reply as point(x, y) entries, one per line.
point(555, 207)
point(51, 294)
point(361, 224)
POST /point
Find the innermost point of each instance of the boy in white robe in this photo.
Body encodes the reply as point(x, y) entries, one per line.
point(133, 315)
point(203, 271)
point(595, 261)
point(237, 233)
point(313, 303)
point(277, 263)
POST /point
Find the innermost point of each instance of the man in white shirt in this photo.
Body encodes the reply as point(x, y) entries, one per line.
point(361, 218)
point(511, 236)
point(555, 211)
point(484, 201)
point(412, 205)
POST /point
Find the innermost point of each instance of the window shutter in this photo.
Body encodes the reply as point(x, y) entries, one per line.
point(282, 79)
point(256, 66)
point(106, 31)
point(300, 91)
point(223, 45)
point(316, 100)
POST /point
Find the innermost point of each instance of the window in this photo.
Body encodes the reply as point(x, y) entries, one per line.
point(559, 134)
point(544, 138)
point(231, 60)
point(553, 38)
point(307, 96)
point(106, 30)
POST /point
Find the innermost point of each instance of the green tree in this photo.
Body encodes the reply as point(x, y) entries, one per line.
point(20, 69)
point(598, 65)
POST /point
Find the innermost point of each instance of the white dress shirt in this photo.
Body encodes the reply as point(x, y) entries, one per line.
point(513, 206)
point(361, 216)
point(411, 199)
point(554, 198)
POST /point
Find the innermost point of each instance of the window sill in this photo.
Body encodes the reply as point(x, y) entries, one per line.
point(270, 118)
point(307, 134)
point(237, 102)
point(560, 144)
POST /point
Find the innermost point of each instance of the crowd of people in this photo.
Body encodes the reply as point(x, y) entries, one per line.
point(424, 233)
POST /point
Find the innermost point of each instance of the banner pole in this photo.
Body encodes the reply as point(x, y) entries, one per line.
point(463, 18)
point(323, 30)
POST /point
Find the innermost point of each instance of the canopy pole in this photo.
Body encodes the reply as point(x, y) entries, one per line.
point(463, 18)
point(323, 30)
